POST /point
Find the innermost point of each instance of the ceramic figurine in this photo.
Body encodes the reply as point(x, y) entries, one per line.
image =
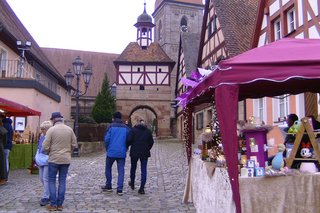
point(278, 161)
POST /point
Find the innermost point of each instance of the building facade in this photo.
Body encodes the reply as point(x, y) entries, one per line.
point(276, 20)
point(144, 78)
point(172, 17)
point(227, 30)
point(27, 76)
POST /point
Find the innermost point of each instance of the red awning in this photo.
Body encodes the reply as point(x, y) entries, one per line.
point(14, 109)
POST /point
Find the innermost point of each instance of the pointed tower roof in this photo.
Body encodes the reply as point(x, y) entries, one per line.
point(144, 18)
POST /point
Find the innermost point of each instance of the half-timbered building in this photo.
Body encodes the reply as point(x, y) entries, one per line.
point(227, 30)
point(187, 62)
point(279, 19)
point(143, 78)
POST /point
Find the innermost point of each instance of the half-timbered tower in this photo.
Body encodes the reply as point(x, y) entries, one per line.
point(278, 19)
point(143, 77)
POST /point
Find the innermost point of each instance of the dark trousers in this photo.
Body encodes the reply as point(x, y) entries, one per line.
point(3, 164)
point(143, 165)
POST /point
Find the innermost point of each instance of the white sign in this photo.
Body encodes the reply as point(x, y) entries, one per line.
point(20, 123)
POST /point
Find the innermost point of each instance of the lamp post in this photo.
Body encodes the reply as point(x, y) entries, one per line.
point(23, 47)
point(78, 68)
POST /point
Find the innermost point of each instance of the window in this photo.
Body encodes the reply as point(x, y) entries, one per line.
point(291, 20)
point(277, 29)
point(214, 23)
point(281, 107)
point(184, 24)
point(141, 87)
point(259, 109)
point(199, 118)
point(212, 26)
point(144, 32)
point(160, 31)
point(3, 62)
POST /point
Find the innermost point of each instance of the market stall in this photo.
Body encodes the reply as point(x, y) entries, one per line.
point(287, 66)
point(21, 154)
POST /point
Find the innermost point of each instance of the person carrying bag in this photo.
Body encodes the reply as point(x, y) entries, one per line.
point(42, 162)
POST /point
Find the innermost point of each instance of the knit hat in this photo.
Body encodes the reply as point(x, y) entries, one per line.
point(117, 115)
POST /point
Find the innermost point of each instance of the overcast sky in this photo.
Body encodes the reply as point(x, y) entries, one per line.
point(90, 25)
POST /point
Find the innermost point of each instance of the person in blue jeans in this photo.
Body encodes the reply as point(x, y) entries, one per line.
point(43, 166)
point(115, 141)
point(141, 142)
point(59, 142)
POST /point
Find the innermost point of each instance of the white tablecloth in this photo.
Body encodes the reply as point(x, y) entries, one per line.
point(210, 191)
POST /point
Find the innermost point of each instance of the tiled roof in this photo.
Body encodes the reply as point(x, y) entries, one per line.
point(101, 63)
point(12, 28)
point(190, 44)
point(237, 19)
point(134, 53)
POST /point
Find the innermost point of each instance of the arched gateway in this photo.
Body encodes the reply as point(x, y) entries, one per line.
point(159, 119)
point(143, 77)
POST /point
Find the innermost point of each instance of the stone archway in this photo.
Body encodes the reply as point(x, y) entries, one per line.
point(160, 109)
point(149, 115)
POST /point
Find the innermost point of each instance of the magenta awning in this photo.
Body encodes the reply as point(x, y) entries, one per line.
point(287, 66)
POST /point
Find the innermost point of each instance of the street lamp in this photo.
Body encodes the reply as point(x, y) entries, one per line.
point(23, 47)
point(78, 68)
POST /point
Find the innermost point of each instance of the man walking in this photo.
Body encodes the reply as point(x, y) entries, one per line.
point(115, 141)
point(59, 142)
point(141, 141)
point(7, 123)
point(3, 165)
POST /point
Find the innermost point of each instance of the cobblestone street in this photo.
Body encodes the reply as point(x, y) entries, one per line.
point(167, 170)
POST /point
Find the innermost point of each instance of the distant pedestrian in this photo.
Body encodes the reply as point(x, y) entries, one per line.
point(141, 142)
point(59, 142)
point(115, 141)
point(3, 143)
point(7, 123)
point(42, 163)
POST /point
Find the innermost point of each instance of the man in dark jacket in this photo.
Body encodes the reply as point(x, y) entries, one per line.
point(7, 123)
point(115, 141)
point(3, 143)
point(141, 142)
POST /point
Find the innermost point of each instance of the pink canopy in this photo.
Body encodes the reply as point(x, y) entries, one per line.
point(287, 66)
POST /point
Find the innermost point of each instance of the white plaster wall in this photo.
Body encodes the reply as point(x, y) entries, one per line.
point(300, 13)
point(264, 22)
point(274, 7)
point(313, 32)
point(36, 101)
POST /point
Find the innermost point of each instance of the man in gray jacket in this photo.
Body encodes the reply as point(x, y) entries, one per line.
point(59, 142)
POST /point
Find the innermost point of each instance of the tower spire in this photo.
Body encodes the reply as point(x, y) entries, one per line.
point(144, 27)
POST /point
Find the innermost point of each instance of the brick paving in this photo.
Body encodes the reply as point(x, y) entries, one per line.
point(167, 169)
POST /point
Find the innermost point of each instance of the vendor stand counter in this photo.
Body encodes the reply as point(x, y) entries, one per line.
point(20, 156)
point(210, 191)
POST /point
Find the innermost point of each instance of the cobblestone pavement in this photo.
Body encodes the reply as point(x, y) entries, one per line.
point(167, 170)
